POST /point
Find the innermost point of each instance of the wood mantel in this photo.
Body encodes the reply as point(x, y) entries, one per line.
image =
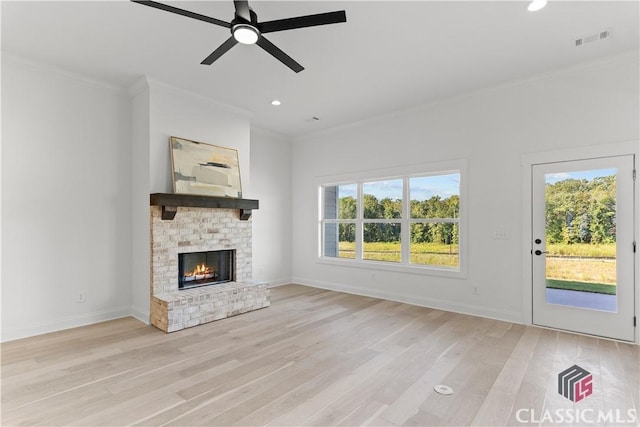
point(171, 202)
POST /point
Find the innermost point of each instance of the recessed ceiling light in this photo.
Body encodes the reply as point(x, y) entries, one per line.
point(276, 102)
point(536, 5)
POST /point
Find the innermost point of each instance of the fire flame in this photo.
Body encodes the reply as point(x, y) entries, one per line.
point(200, 269)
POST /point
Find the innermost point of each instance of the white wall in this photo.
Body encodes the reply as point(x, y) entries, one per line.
point(271, 185)
point(177, 113)
point(65, 200)
point(593, 104)
point(140, 183)
point(162, 111)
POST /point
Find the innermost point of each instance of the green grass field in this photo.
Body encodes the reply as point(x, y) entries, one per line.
point(421, 253)
point(598, 288)
point(584, 250)
point(586, 267)
point(582, 270)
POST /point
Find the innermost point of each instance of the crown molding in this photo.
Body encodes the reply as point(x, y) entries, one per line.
point(22, 61)
point(139, 86)
point(157, 84)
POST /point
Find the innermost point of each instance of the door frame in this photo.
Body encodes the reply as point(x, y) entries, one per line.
point(580, 153)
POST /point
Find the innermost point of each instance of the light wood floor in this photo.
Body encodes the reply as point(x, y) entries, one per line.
point(316, 358)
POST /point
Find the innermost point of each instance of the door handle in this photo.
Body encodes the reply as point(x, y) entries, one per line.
point(539, 252)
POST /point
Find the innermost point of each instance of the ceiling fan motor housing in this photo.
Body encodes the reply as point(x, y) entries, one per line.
point(245, 32)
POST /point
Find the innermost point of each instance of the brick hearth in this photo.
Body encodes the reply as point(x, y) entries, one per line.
point(197, 230)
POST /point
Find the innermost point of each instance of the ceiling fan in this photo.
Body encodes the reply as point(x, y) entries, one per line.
point(246, 29)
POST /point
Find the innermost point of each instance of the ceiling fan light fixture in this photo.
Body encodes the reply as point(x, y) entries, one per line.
point(245, 34)
point(536, 5)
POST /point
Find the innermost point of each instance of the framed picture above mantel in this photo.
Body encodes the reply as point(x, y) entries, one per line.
point(204, 169)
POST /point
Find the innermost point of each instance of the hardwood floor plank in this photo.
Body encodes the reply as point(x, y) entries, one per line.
point(532, 390)
point(363, 414)
point(315, 357)
point(335, 392)
point(299, 373)
point(501, 398)
point(306, 391)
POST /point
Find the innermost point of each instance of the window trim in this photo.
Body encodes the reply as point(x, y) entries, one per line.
point(404, 173)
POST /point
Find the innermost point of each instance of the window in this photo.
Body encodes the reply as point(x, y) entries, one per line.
point(382, 216)
point(434, 204)
point(339, 228)
point(405, 221)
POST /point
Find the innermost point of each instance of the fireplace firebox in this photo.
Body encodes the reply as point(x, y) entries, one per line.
point(205, 268)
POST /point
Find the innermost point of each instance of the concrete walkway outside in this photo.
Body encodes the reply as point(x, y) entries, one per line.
point(581, 299)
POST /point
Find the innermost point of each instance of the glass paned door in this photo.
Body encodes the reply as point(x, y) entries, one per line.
point(582, 246)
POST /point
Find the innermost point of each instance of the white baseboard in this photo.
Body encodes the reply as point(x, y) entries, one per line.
point(278, 282)
point(10, 333)
point(473, 310)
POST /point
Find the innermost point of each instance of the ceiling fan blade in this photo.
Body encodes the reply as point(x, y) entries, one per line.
point(183, 12)
point(224, 47)
point(279, 55)
point(303, 21)
point(242, 9)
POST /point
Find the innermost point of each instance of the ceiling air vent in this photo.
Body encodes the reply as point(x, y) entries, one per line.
point(592, 38)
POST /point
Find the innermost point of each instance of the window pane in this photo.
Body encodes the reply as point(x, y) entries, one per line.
point(339, 240)
point(382, 242)
point(340, 201)
point(382, 199)
point(435, 196)
point(347, 241)
point(347, 201)
point(434, 244)
point(581, 239)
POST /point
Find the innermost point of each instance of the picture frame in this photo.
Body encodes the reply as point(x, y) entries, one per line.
point(204, 169)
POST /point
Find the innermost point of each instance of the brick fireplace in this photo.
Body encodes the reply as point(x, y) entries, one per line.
point(200, 229)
